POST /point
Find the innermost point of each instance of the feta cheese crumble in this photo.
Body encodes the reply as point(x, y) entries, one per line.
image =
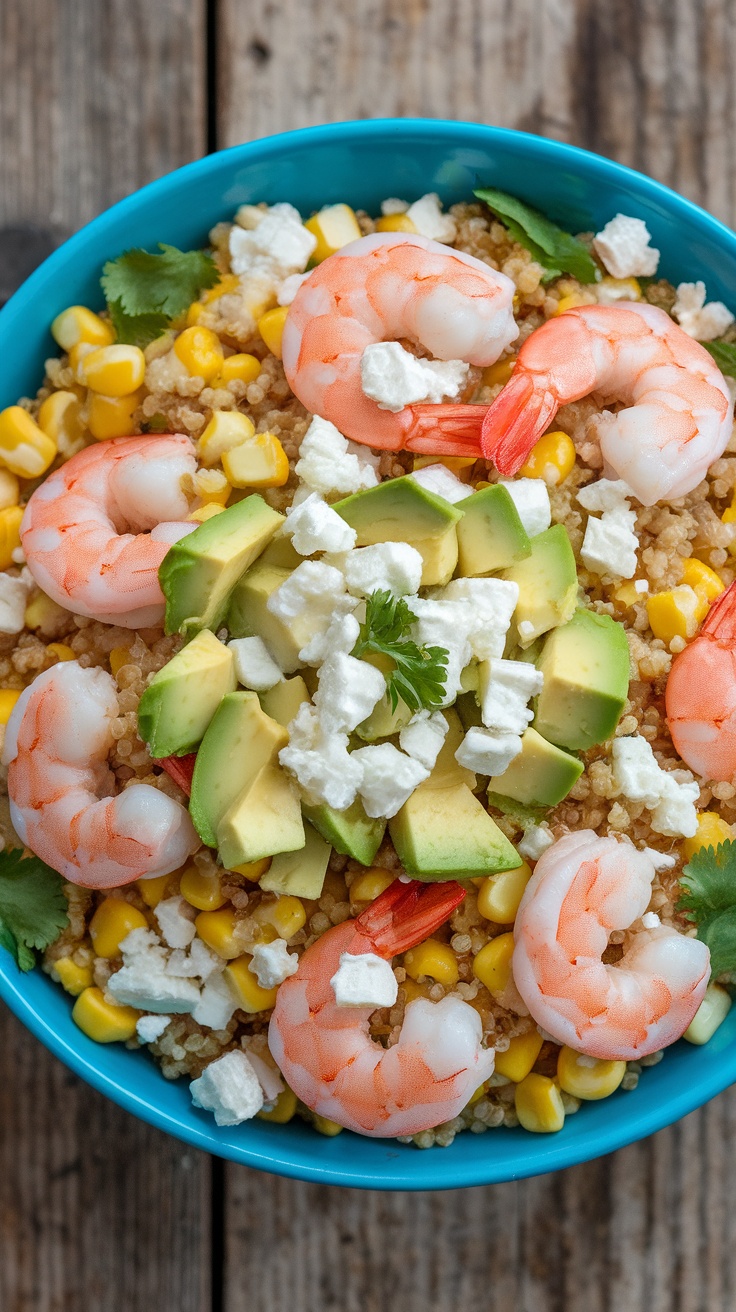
point(347, 692)
point(388, 778)
point(640, 777)
point(229, 1088)
point(320, 762)
point(487, 751)
point(489, 605)
point(702, 321)
point(536, 840)
point(150, 1028)
point(329, 463)
point(175, 919)
point(278, 245)
point(394, 378)
point(385, 567)
point(255, 667)
point(13, 602)
point(441, 480)
point(531, 498)
point(505, 690)
point(315, 526)
point(272, 963)
point(428, 219)
point(623, 246)
point(217, 1004)
point(143, 982)
point(610, 543)
point(364, 980)
point(423, 736)
point(309, 599)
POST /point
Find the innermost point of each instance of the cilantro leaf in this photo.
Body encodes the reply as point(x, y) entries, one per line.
point(33, 909)
point(136, 329)
point(419, 673)
point(709, 901)
point(724, 354)
point(556, 250)
point(145, 292)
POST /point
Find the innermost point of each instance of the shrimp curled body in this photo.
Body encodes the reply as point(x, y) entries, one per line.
point(583, 888)
point(56, 746)
point(95, 532)
point(701, 694)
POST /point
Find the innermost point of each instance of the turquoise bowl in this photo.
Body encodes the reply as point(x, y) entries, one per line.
point(362, 163)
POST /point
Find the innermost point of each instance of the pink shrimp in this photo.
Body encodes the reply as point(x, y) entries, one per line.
point(582, 889)
point(326, 1054)
point(56, 746)
point(700, 697)
point(76, 531)
point(387, 287)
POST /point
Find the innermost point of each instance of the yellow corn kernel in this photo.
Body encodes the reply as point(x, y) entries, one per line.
point(10, 520)
point(253, 870)
point(78, 324)
point(284, 1110)
point(203, 513)
point(702, 579)
point(539, 1105)
point(492, 965)
point(200, 351)
point(61, 651)
point(711, 1013)
point(552, 458)
point(435, 959)
point(676, 613)
point(114, 370)
point(238, 368)
point(627, 595)
point(103, 1021)
point(499, 895)
point(454, 463)
point(194, 314)
point(395, 223)
point(217, 928)
point(77, 355)
point(211, 485)
point(334, 226)
point(72, 977)
point(202, 889)
point(323, 1125)
point(271, 328)
point(59, 417)
point(8, 698)
point(368, 886)
point(9, 489)
point(619, 289)
point(477, 1095)
point(500, 372)
point(286, 915)
point(519, 1058)
point(152, 890)
point(414, 990)
point(251, 997)
point(42, 611)
point(588, 1077)
point(24, 447)
point(111, 923)
point(226, 429)
point(259, 462)
point(111, 416)
point(711, 831)
point(119, 656)
point(571, 301)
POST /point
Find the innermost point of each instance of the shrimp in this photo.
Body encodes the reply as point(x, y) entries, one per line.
point(326, 1054)
point(700, 698)
point(386, 287)
point(95, 532)
point(584, 887)
point(56, 745)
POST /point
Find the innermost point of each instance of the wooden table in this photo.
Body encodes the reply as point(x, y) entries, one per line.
point(99, 1213)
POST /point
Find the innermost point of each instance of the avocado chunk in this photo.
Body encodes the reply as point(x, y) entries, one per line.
point(198, 573)
point(447, 771)
point(283, 700)
point(281, 553)
point(469, 711)
point(302, 873)
point(265, 819)
point(350, 832)
point(382, 721)
point(446, 833)
point(181, 699)
point(541, 775)
point(490, 536)
point(240, 740)
point(585, 664)
point(248, 615)
point(548, 584)
point(401, 510)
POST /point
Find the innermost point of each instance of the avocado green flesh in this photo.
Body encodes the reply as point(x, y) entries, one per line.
point(548, 584)
point(383, 722)
point(239, 742)
point(302, 873)
point(248, 615)
point(444, 833)
point(350, 832)
point(490, 536)
point(586, 681)
point(283, 700)
point(541, 775)
point(401, 510)
point(264, 819)
point(179, 703)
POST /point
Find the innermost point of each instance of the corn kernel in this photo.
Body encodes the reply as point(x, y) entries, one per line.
point(395, 223)
point(72, 977)
point(499, 895)
point(284, 1110)
point(627, 595)
point(334, 227)
point(24, 447)
point(435, 959)
point(286, 915)
point(619, 289)
point(42, 611)
point(253, 870)
point(259, 462)
point(456, 464)
point(711, 831)
point(414, 990)
point(217, 928)
point(10, 521)
point(119, 656)
point(200, 351)
point(59, 417)
point(539, 1105)
point(152, 890)
point(476, 1097)
point(702, 579)
point(519, 1058)
point(9, 489)
point(676, 613)
point(103, 1021)
point(588, 1077)
point(323, 1125)
point(238, 368)
point(729, 516)
point(194, 314)
point(77, 355)
point(112, 922)
point(571, 301)
point(203, 513)
point(368, 886)
point(78, 324)
point(211, 485)
point(202, 889)
point(552, 458)
point(114, 370)
point(711, 1013)
point(492, 965)
point(271, 328)
point(8, 698)
point(111, 416)
point(61, 651)
point(226, 429)
point(251, 997)
point(500, 372)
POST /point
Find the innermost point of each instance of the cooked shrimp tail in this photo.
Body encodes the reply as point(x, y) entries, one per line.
point(720, 621)
point(407, 913)
point(447, 430)
point(514, 422)
point(700, 697)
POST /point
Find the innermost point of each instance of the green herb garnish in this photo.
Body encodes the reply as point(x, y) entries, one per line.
point(146, 292)
point(419, 673)
point(709, 901)
point(724, 354)
point(556, 250)
point(33, 909)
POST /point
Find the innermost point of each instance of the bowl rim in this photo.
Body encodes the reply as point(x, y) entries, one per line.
point(441, 1173)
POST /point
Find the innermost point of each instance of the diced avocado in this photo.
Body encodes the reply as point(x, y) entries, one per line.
point(181, 699)
point(302, 873)
point(249, 616)
point(448, 772)
point(446, 833)
point(548, 584)
point(265, 818)
point(350, 832)
point(401, 510)
point(283, 700)
point(198, 573)
point(541, 775)
point(490, 536)
point(382, 721)
point(585, 664)
point(469, 711)
point(240, 740)
point(281, 553)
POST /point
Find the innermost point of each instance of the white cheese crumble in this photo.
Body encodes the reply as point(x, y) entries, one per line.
point(175, 918)
point(329, 463)
point(428, 219)
point(610, 543)
point(531, 498)
point(315, 526)
point(423, 736)
point(386, 566)
point(536, 840)
point(394, 378)
point(365, 980)
point(287, 290)
point(488, 751)
point(340, 635)
point(623, 246)
point(255, 667)
point(309, 598)
point(389, 778)
point(505, 690)
point(229, 1088)
point(489, 606)
point(444, 623)
point(641, 585)
point(272, 963)
point(320, 762)
point(441, 480)
point(143, 982)
point(650, 920)
point(279, 244)
point(347, 692)
point(637, 773)
point(217, 1004)
point(393, 205)
point(13, 601)
point(702, 321)
point(150, 1028)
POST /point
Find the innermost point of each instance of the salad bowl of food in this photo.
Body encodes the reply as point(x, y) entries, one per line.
point(366, 632)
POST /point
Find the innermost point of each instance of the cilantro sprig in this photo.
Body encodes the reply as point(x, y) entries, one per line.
point(33, 909)
point(709, 902)
point(145, 292)
point(724, 354)
point(556, 250)
point(419, 673)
